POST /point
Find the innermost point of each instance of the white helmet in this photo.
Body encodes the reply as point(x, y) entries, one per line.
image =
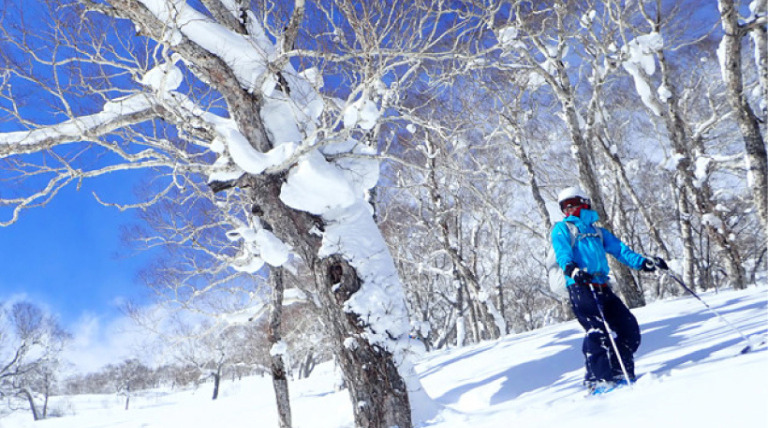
point(572, 196)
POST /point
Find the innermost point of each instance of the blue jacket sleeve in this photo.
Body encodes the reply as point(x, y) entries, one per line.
point(621, 251)
point(561, 243)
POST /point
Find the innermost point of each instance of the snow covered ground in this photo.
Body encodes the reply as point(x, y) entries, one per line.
point(691, 368)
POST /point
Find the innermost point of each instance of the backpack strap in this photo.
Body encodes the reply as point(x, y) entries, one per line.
point(575, 234)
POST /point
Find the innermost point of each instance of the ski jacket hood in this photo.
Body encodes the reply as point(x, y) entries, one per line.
point(589, 250)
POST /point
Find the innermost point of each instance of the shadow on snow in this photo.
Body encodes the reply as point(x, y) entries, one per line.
point(556, 370)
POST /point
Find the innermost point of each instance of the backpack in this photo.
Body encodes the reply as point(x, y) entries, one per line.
point(554, 271)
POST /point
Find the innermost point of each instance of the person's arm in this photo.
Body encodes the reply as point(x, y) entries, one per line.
point(624, 254)
point(621, 251)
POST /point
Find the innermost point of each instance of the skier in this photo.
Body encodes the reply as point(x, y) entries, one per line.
point(583, 260)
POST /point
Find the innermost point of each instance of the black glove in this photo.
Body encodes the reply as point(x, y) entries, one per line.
point(651, 263)
point(581, 277)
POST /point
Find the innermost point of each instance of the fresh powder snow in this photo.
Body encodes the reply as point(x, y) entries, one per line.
point(690, 367)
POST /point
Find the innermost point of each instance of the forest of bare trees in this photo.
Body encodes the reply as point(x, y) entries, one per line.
point(388, 168)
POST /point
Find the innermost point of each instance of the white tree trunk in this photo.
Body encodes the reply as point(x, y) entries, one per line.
point(755, 152)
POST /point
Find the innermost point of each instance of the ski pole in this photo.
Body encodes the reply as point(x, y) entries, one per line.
point(733, 327)
point(610, 336)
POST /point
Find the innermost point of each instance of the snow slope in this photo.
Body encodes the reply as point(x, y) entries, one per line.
point(692, 374)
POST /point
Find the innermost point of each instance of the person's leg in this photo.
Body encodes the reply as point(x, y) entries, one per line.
point(596, 345)
point(627, 334)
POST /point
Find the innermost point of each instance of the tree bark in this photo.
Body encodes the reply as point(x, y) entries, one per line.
point(760, 38)
point(686, 234)
point(460, 326)
point(307, 365)
point(379, 393)
point(279, 377)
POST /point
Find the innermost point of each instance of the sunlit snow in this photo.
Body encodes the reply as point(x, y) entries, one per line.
point(691, 374)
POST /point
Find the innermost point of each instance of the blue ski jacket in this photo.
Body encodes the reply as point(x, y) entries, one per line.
point(589, 250)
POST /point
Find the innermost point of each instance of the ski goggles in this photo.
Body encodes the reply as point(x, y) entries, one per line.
point(575, 202)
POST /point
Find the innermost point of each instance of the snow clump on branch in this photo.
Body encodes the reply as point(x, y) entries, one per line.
point(327, 179)
point(640, 63)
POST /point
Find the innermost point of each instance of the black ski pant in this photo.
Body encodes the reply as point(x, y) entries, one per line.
point(600, 359)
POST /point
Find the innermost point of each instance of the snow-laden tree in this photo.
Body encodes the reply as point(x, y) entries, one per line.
point(129, 378)
point(650, 31)
point(31, 343)
point(747, 117)
point(216, 92)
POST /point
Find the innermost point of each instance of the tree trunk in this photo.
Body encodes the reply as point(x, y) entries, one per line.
point(279, 378)
point(461, 325)
point(499, 276)
point(308, 365)
point(686, 234)
point(755, 152)
point(759, 35)
point(31, 400)
point(377, 389)
point(216, 384)
point(474, 308)
point(47, 392)
point(533, 183)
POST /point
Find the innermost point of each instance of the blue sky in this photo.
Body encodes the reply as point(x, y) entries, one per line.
point(69, 256)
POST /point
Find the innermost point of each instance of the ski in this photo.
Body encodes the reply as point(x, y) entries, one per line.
point(606, 387)
point(602, 388)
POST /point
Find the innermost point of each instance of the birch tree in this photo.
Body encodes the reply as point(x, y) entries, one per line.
point(31, 343)
point(730, 56)
point(662, 98)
